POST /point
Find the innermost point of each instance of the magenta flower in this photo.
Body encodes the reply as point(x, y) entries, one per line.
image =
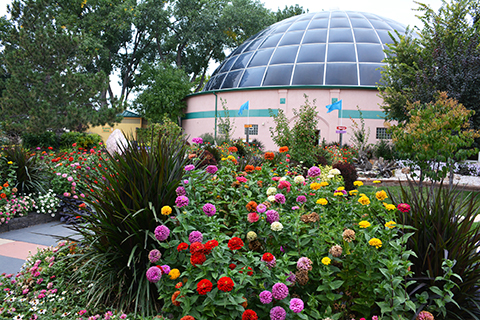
point(165, 269)
point(209, 209)
point(212, 169)
point(285, 185)
point(272, 216)
point(241, 179)
point(261, 208)
point(180, 191)
point(296, 305)
point(190, 167)
point(252, 217)
point(403, 207)
point(265, 297)
point(277, 313)
point(162, 232)
point(280, 291)
point(182, 201)
point(197, 140)
point(304, 264)
point(314, 172)
point(301, 199)
point(291, 278)
point(280, 198)
point(195, 236)
point(154, 274)
point(154, 256)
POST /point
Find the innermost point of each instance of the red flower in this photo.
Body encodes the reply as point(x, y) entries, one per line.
point(235, 243)
point(269, 155)
point(210, 245)
point(225, 284)
point(179, 285)
point(249, 315)
point(232, 266)
point(182, 246)
point(258, 168)
point(50, 148)
point(188, 318)
point(233, 149)
point(204, 287)
point(196, 247)
point(174, 298)
point(70, 159)
point(267, 257)
point(197, 258)
point(249, 272)
point(249, 168)
point(283, 149)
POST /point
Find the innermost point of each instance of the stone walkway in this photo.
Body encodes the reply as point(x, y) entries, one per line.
point(16, 245)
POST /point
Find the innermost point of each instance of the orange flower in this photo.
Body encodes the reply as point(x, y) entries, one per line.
point(5, 184)
point(174, 298)
point(3, 195)
point(252, 206)
point(1, 187)
point(258, 168)
point(283, 149)
point(249, 168)
point(233, 149)
point(269, 155)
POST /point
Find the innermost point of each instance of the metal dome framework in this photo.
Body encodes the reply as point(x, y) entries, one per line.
point(328, 48)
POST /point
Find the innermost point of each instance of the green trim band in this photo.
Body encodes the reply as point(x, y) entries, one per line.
point(379, 115)
point(231, 114)
point(283, 88)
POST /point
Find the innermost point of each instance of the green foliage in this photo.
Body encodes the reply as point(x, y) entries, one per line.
point(45, 139)
point(288, 12)
point(161, 92)
point(166, 128)
point(82, 139)
point(360, 134)
point(30, 172)
point(226, 126)
point(444, 227)
point(280, 134)
point(437, 132)
point(383, 148)
point(127, 205)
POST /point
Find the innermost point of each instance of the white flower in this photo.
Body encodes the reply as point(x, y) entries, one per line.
point(299, 179)
point(276, 226)
point(271, 190)
point(42, 311)
point(334, 172)
point(330, 176)
point(18, 317)
point(271, 198)
point(283, 178)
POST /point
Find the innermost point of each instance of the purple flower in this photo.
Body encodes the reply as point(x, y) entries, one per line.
point(154, 256)
point(180, 191)
point(291, 278)
point(314, 171)
point(280, 198)
point(197, 140)
point(341, 191)
point(271, 264)
point(261, 208)
point(209, 209)
point(301, 199)
point(165, 269)
point(162, 233)
point(181, 201)
point(295, 208)
point(296, 305)
point(190, 167)
point(277, 313)
point(195, 236)
point(154, 274)
point(272, 216)
point(265, 297)
point(212, 169)
point(280, 291)
point(304, 264)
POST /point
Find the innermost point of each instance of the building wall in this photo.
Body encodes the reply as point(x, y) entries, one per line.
point(200, 114)
point(128, 125)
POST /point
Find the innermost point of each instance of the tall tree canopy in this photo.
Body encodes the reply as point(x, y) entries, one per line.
point(443, 56)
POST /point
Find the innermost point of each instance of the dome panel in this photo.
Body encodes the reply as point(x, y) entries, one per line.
point(328, 48)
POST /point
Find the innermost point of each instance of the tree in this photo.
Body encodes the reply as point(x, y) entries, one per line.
point(49, 87)
point(162, 92)
point(288, 12)
point(444, 57)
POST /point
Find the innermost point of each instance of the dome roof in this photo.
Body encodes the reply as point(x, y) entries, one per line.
point(328, 48)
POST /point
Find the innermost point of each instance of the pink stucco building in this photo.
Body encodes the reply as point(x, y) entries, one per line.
point(328, 56)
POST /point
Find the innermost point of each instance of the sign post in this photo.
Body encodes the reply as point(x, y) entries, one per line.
point(248, 126)
point(341, 130)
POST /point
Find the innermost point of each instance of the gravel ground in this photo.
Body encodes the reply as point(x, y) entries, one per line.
point(461, 180)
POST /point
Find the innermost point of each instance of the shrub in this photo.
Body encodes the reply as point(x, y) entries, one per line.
point(82, 139)
point(46, 139)
point(385, 150)
point(348, 172)
point(127, 208)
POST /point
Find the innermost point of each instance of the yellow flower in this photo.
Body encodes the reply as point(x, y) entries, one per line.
point(323, 184)
point(223, 159)
point(166, 210)
point(374, 242)
point(358, 183)
point(322, 201)
point(364, 200)
point(390, 224)
point(326, 261)
point(381, 195)
point(10, 162)
point(377, 181)
point(338, 194)
point(174, 274)
point(340, 188)
point(364, 224)
point(352, 192)
point(389, 206)
point(63, 27)
point(315, 186)
point(231, 157)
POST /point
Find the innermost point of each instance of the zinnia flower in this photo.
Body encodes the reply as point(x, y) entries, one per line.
point(154, 255)
point(265, 297)
point(174, 274)
point(299, 179)
point(364, 200)
point(204, 287)
point(336, 251)
point(197, 140)
point(267, 257)
point(166, 210)
point(403, 207)
point(315, 186)
point(374, 242)
point(326, 261)
point(280, 198)
point(314, 171)
point(249, 168)
point(283, 149)
point(153, 274)
point(304, 264)
point(162, 232)
point(272, 216)
point(174, 299)
point(269, 155)
point(348, 235)
point(425, 315)
point(271, 191)
point(180, 191)
point(279, 291)
point(377, 181)
point(252, 217)
point(197, 258)
point(261, 208)
point(251, 206)
point(364, 224)
point(322, 201)
point(358, 183)
point(249, 315)
point(301, 199)
point(211, 169)
point(296, 305)
point(189, 167)
point(195, 236)
point(225, 284)
point(235, 243)
point(381, 195)
point(196, 247)
point(209, 209)
point(182, 246)
point(276, 226)
point(277, 313)
point(390, 224)
point(251, 235)
point(181, 201)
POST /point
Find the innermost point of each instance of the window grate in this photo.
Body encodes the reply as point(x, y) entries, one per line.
point(383, 134)
point(253, 130)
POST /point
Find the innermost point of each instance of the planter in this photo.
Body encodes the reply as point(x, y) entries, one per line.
point(30, 220)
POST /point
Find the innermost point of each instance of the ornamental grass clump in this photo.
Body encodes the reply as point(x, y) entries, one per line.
point(127, 208)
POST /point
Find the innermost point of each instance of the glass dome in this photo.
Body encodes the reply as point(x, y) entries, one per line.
point(328, 48)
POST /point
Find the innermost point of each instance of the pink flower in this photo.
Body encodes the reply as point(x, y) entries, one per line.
point(241, 179)
point(403, 207)
point(252, 217)
point(284, 184)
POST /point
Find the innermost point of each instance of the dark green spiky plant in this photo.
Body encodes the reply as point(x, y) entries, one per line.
point(127, 208)
point(444, 228)
point(31, 173)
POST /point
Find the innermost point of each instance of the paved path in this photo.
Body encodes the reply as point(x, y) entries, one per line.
point(16, 245)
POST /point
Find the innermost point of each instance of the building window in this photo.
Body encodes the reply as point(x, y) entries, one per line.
point(383, 134)
point(253, 130)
